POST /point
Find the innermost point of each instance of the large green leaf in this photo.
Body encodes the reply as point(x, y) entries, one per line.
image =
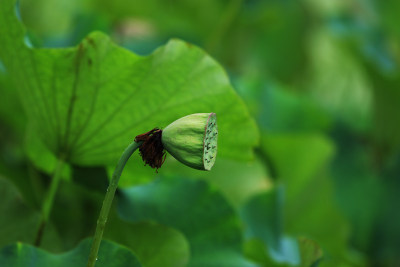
point(110, 255)
point(88, 102)
point(199, 212)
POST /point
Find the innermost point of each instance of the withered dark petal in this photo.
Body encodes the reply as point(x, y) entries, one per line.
point(152, 149)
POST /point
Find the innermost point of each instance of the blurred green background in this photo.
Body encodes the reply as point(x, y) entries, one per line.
point(320, 77)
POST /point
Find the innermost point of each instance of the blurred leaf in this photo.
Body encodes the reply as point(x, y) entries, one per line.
point(388, 14)
point(135, 172)
point(110, 255)
point(310, 252)
point(75, 212)
point(359, 189)
point(255, 250)
point(284, 111)
point(287, 154)
point(37, 14)
point(93, 178)
point(90, 101)
point(262, 215)
point(272, 35)
point(192, 19)
point(74, 21)
point(190, 206)
point(40, 156)
point(25, 181)
point(20, 222)
point(9, 104)
point(155, 245)
point(237, 180)
point(386, 229)
point(75, 216)
point(386, 110)
point(348, 98)
point(301, 163)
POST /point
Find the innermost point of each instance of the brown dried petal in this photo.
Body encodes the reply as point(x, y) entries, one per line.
point(152, 149)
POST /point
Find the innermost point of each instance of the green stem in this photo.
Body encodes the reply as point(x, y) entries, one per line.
point(48, 202)
point(105, 209)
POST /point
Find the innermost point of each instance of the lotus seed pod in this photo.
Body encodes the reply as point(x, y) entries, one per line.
point(192, 140)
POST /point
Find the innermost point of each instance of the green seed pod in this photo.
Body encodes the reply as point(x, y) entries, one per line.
point(192, 140)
